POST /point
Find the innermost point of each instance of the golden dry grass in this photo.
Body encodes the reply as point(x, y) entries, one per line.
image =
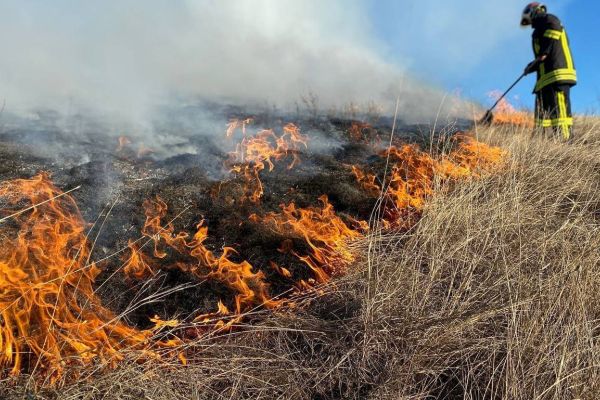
point(495, 294)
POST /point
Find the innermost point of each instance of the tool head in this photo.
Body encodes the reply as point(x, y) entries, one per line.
point(487, 119)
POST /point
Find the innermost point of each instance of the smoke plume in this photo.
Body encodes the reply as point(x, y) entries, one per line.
point(130, 56)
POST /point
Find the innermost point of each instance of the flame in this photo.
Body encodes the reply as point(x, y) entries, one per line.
point(324, 231)
point(258, 152)
point(356, 130)
point(160, 324)
point(280, 270)
point(144, 151)
point(471, 158)
point(123, 142)
point(235, 124)
point(367, 181)
point(411, 181)
point(250, 287)
point(414, 174)
point(50, 315)
point(138, 265)
point(362, 132)
point(507, 114)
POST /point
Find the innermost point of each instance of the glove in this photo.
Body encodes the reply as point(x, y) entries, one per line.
point(531, 67)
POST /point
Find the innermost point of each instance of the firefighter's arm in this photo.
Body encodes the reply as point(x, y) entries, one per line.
point(547, 40)
point(533, 66)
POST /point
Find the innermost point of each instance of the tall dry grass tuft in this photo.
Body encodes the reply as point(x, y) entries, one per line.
point(495, 294)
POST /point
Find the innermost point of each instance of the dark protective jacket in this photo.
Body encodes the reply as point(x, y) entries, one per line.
point(550, 39)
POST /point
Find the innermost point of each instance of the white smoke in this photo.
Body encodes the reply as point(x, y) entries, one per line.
point(128, 56)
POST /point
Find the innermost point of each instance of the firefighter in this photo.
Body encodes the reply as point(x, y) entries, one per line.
point(555, 70)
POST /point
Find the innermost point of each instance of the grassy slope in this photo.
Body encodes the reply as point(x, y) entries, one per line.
point(495, 294)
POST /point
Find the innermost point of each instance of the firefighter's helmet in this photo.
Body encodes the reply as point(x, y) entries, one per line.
point(532, 11)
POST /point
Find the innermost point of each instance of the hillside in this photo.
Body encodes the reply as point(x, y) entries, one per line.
point(493, 293)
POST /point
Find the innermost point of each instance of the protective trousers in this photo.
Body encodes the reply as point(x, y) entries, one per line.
point(553, 109)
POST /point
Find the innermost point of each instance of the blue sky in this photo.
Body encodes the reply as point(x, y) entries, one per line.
point(476, 47)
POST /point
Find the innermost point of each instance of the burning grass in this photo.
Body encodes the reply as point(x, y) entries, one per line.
point(51, 320)
point(507, 114)
point(490, 293)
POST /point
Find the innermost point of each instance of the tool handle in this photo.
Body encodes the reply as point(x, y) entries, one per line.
point(505, 93)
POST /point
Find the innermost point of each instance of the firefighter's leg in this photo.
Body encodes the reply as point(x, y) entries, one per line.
point(544, 109)
point(538, 116)
point(564, 122)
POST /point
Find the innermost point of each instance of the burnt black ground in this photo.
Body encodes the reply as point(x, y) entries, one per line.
point(80, 152)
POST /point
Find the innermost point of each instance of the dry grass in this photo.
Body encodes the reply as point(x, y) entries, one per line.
point(495, 294)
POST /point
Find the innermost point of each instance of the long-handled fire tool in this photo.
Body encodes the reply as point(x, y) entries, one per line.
point(488, 118)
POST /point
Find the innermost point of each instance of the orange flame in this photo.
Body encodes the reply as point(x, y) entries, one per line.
point(123, 141)
point(326, 234)
point(50, 315)
point(414, 174)
point(412, 179)
point(362, 132)
point(324, 231)
point(366, 180)
point(256, 153)
point(507, 114)
point(234, 124)
point(250, 287)
point(144, 151)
